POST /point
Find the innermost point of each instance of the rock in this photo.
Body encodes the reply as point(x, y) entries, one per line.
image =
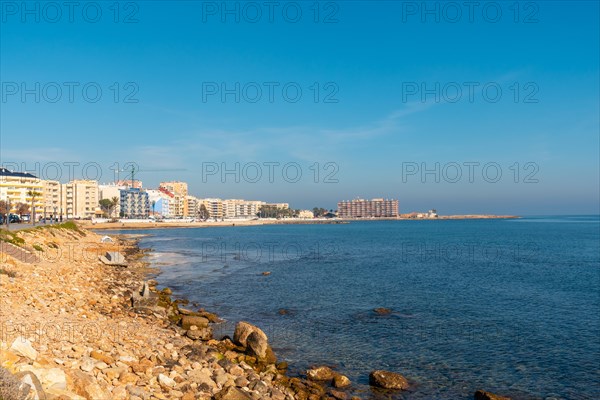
point(387, 380)
point(241, 382)
point(128, 377)
point(320, 373)
point(340, 381)
point(202, 376)
point(49, 378)
point(338, 395)
point(23, 347)
point(231, 393)
point(189, 320)
point(165, 381)
point(8, 359)
point(483, 395)
point(200, 334)
point(85, 385)
point(242, 331)
point(214, 318)
point(167, 291)
point(119, 393)
point(282, 365)
point(87, 365)
point(101, 357)
point(257, 344)
point(283, 311)
point(382, 311)
point(266, 273)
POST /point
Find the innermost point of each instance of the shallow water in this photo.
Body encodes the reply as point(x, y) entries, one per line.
point(511, 306)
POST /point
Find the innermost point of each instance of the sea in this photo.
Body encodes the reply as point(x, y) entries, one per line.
point(511, 306)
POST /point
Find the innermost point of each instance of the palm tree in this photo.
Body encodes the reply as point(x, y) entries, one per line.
point(115, 203)
point(33, 194)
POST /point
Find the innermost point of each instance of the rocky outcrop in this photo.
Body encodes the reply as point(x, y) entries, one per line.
point(387, 380)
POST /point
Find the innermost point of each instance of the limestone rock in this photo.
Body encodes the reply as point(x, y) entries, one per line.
point(257, 344)
point(321, 373)
point(387, 380)
point(243, 330)
point(165, 381)
point(189, 320)
point(85, 385)
point(340, 381)
point(232, 393)
point(23, 347)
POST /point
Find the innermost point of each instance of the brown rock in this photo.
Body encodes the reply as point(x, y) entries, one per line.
point(382, 311)
point(340, 381)
point(142, 366)
point(200, 334)
point(190, 320)
point(483, 395)
point(338, 395)
point(320, 373)
point(101, 357)
point(387, 380)
point(257, 344)
point(231, 393)
point(243, 330)
point(85, 385)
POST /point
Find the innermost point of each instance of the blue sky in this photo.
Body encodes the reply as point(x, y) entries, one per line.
point(390, 73)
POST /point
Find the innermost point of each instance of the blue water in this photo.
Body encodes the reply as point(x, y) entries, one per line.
point(511, 306)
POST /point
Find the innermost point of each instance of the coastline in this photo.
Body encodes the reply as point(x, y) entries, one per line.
point(84, 330)
point(79, 329)
point(170, 225)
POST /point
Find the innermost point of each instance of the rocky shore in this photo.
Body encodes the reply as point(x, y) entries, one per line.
point(75, 328)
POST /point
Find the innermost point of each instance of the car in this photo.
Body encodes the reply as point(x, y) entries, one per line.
point(14, 219)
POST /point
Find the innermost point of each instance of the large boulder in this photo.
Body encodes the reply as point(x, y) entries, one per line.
point(483, 395)
point(387, 380)
point(243, 330)
point(257, 344)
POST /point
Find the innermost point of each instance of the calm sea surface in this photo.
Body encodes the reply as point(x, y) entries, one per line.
point(511, 306)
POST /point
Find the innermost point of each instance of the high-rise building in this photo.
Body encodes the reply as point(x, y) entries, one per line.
point(375, 208)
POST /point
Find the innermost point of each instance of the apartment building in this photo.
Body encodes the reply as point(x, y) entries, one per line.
point(178, 205)
point(134, 203)
point(22, 187)
point(214, 207)
point(52, 198)
point(80, 199)
point(375, 208)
